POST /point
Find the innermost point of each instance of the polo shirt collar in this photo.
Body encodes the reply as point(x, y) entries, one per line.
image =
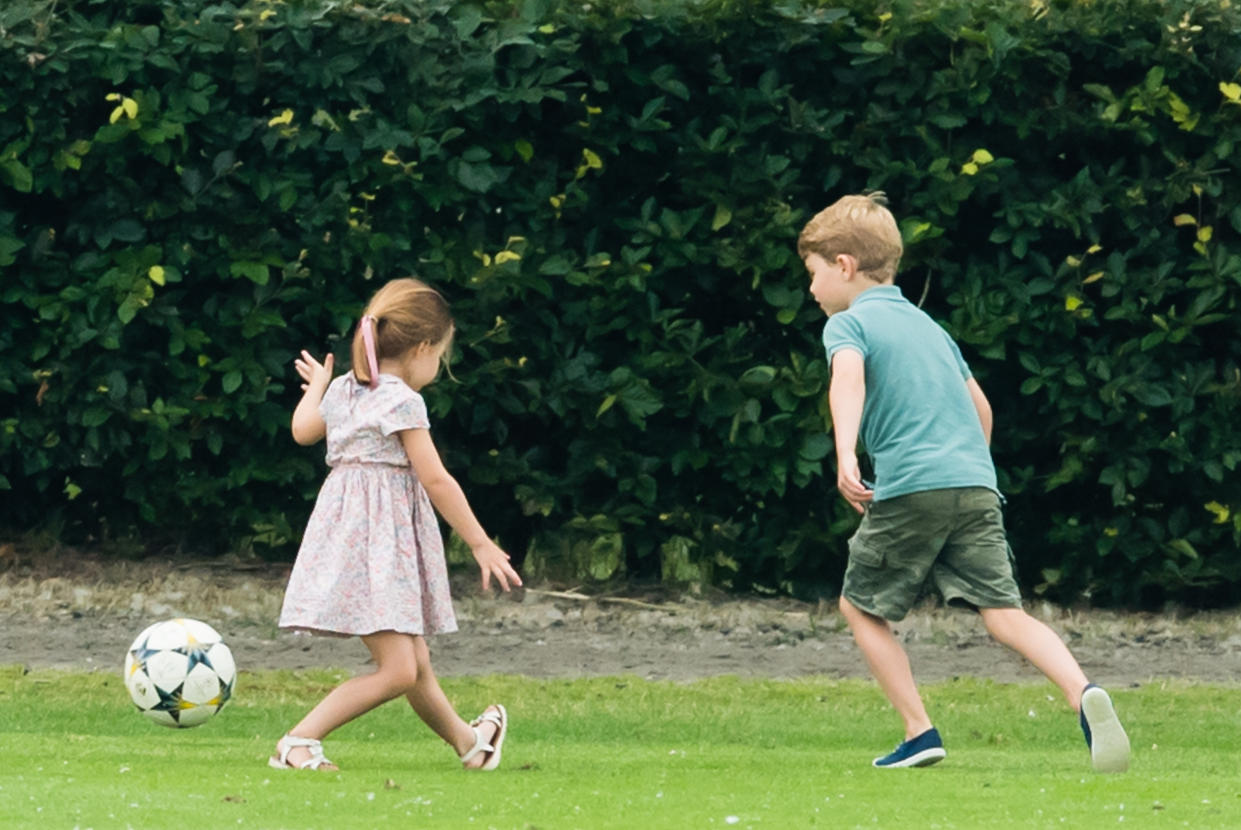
point(879, 292)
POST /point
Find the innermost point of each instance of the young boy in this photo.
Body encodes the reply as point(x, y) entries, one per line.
point(933, 512)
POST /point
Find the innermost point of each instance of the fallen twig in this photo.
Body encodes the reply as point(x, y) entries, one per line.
point(579, 597)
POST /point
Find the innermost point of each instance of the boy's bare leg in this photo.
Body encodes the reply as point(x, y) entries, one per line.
point(889, 664)
point(1041, 646)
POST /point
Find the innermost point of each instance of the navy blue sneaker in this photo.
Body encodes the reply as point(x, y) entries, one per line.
point(922, 751)
point(1106, 738)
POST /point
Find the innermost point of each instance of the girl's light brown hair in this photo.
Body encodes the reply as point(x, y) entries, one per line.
point(407, 313)
point(860, 226)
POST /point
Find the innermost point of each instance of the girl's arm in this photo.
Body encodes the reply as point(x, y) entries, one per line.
point(845, 396)
point(449, 500)
point(308, 426)
point(983, 406)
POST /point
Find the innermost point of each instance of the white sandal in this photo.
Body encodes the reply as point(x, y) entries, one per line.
point(291, 742)
point(497, 715)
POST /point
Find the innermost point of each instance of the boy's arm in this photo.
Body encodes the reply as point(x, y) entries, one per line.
point(308, 426)
point(983, 406)
point(845, 396)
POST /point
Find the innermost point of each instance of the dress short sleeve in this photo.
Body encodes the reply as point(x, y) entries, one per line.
point(403, 408)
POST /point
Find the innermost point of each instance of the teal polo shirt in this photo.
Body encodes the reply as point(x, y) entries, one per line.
point(919, 424)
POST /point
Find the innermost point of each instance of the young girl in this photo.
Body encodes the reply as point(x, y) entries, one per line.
point(371, 563)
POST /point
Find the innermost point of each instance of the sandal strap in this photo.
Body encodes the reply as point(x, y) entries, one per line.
point(491, 716)
point(290, 742)
point(479, 744)
point(488, 717)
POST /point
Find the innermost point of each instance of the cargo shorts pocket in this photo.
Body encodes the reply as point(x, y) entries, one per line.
point(864, 555)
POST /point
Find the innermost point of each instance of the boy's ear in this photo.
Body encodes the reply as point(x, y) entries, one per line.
point(848, 264)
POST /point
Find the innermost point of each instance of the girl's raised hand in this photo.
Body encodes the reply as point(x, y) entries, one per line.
point(494, 562)
point(312, 371)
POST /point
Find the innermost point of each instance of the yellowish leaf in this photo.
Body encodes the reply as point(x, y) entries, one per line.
point(1094, 249)
point(116, 115)
point(391, 158)
point(1072, 261)
point(1072, 303)
point(969, 168)
point(592, 159)
point(1221, 511)
point(1095, 277)
point(1110, 531)
point(112, 96)
point(1231, 91)
point(1183, 219)
point(507, 256)
point(1204, 233)
point(130, 106)
point(267, 14)
point(981, 156)
point(285, 117)
point(556, 201)
point(156, 273)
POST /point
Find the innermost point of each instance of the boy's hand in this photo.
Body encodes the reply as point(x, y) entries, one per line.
point(494, 562)
point(849, 482)
point(312, 371)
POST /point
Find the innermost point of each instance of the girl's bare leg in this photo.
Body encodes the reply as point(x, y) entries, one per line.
point(396, 672)
point(431, 704)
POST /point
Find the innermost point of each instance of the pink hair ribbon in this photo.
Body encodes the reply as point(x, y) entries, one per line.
point(369, 324)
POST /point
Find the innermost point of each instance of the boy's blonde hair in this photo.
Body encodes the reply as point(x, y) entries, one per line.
point(405, 313)
point(860, 226)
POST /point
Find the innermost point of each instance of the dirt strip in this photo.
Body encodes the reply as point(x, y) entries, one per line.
point(82, 613)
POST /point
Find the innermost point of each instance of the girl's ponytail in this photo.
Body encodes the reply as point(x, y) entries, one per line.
point(365, 357)
point(402, 315)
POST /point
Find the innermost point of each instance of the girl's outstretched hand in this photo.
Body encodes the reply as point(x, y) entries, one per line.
point(494, 562)
point(312, 371)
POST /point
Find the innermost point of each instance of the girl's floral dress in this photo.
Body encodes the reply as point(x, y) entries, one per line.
point(372, 558)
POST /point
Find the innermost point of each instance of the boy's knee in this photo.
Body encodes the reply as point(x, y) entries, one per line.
point(852, 613)
point(1002, 623)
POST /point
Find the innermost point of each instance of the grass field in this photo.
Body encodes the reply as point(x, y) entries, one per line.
point(617, 752)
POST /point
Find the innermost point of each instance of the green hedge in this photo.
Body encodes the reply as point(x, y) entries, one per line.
point(609, 195)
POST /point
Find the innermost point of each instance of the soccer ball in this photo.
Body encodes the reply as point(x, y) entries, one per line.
point(179, 672)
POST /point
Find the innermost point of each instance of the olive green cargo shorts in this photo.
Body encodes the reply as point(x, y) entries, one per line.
point(953, 538)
